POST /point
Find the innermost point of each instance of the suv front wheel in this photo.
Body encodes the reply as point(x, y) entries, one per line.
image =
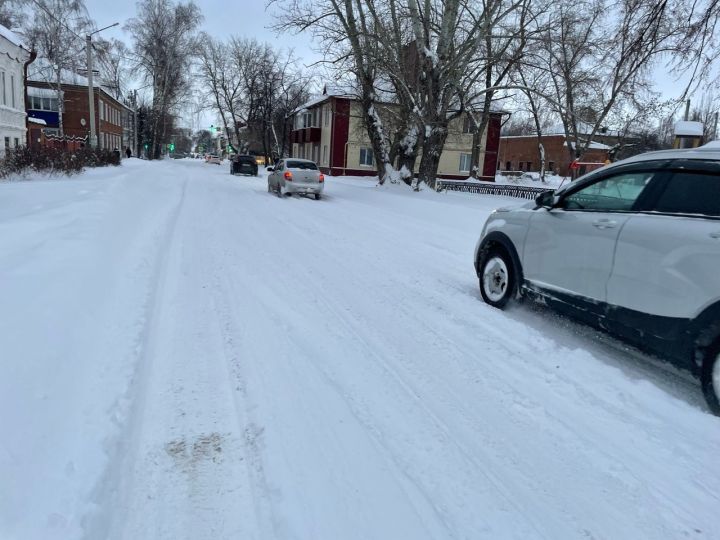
point(710, 376)
point(497, 277)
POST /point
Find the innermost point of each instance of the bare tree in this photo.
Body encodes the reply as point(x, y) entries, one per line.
point(345, 29)
point(598, 55)
point(55, 31)
point(12, 13)
point(164, 37)
point(113, 65)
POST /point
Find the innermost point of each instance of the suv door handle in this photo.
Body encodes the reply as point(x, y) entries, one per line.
point(715, 234)
point(605, 224)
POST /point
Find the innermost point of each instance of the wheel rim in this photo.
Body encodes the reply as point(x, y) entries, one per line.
point(495, 279)
point(716, 377)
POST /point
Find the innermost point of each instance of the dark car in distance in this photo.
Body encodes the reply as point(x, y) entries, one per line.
point(242, 164)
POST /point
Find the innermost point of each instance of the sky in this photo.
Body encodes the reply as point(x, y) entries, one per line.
point(250, 19)
point(247, 18)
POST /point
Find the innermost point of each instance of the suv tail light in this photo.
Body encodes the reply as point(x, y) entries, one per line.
point(288, 176)
point(322, 177)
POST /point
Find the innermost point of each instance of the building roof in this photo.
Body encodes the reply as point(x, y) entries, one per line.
point(594, 145)
point(583, 129)
point(685, 128)
point(11, 36)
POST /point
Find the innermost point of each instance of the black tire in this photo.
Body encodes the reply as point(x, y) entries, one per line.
point(318, 196)
point(497, 277)
point(710, 376)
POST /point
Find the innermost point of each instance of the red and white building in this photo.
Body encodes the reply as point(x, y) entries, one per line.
point(329, 130)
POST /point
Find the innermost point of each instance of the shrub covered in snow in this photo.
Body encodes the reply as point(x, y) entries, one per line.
point(21, 160)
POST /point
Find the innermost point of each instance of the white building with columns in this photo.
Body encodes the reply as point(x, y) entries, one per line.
point(12, 94)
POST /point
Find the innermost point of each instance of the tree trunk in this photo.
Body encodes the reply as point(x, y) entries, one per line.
point(478, 133)
point(61, 128)
point(433, 145)
point(376, 134)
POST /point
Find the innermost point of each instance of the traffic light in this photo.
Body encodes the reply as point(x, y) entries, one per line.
point(172, 147)
point(146, 146)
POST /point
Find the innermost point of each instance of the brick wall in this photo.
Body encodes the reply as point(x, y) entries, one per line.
point(110, 130)
point(521, 154)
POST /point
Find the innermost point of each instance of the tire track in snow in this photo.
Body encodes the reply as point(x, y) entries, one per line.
point(588, 442)
point(123, 452)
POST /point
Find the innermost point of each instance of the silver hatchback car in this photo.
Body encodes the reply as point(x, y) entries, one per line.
point(633, 248)
point(296, 176)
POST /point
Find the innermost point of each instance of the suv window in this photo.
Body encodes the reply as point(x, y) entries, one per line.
point(616, 193)
point(691, 193)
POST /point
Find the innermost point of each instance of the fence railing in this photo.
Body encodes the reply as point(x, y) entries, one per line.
point(506, 190)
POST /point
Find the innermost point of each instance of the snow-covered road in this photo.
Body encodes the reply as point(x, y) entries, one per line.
point(185, 356)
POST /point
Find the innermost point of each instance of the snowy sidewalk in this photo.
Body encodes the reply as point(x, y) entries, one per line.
point(188, 356)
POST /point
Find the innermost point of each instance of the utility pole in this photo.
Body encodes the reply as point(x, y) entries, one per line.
point(91, 93)
point(136, 149)
point(687, 110)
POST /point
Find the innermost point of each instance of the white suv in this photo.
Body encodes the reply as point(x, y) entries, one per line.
point(633, 248)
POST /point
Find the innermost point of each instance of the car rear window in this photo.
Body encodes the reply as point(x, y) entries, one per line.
point(307, 165)
point(691, 193)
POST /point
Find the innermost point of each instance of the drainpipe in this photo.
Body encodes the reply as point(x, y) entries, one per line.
point(345, 159)
point(33, 56)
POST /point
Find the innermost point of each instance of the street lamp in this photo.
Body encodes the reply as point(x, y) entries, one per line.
point(91, 94)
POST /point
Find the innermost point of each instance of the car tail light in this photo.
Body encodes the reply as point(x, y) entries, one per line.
point(322, 177)
point(288, 176)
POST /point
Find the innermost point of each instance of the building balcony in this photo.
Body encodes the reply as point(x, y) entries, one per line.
point(305, 135)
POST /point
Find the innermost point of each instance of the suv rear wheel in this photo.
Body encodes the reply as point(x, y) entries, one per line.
point(710, 376)
point(497, 277)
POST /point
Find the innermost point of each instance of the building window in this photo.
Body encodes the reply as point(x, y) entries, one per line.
point(101, 111)
point(325, 156)
point(327, 115)
point(4, 90)
point(366, 157)
point(528, 165)
point(7, 144)
point(467, 124)
point(465, 160)
point(43, 104)
point(12, 90)
point(508, 165)
point(17, 142)
point(551, 166)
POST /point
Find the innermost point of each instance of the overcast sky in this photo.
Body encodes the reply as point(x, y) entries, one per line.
point(223, 18)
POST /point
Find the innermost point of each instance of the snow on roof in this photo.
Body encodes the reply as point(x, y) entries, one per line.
point(583, 129)
point(34, 91)
point(685, 128)
point(39, 121)
point(11, 36)
point(312, 102)
point(598, 146)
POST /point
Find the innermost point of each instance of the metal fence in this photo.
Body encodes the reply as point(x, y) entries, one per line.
point(506, 190)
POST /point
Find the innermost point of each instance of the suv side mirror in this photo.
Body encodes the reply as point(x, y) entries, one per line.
point(270, 169)
point(547, 199)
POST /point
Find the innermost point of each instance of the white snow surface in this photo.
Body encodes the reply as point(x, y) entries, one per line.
point(185, 356)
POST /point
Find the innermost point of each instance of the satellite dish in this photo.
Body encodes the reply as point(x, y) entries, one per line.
point(82, 122)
